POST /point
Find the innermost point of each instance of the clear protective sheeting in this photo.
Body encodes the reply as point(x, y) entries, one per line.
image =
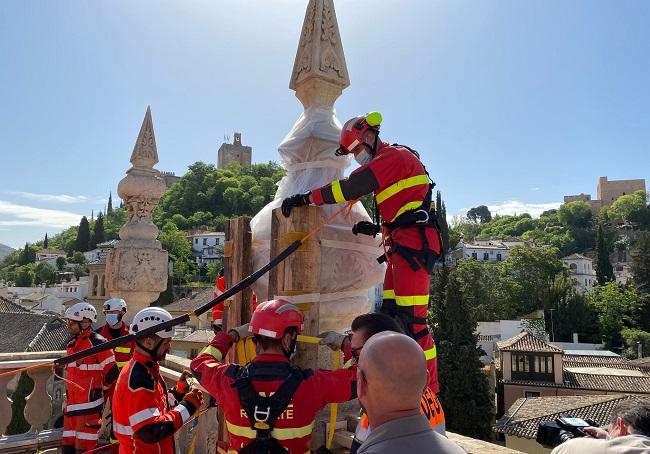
point(349, 269)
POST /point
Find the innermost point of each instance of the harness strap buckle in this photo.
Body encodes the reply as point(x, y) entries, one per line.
point(265, 414)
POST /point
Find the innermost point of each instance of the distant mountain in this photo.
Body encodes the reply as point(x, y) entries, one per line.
point(5, 250)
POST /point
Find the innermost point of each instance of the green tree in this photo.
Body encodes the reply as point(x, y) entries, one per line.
point(98, 236)
point(575, 214)
point(480, 214)
point(79, 270)
point(28, 255)
point(109, 207)
point(572, 313)
point(441, 213)
point(604, 270)
point(19, 424)
point(45, 274)
point(175, 242)
point(464, 389)
point(25, 276)
point(60, 263)
point(45, 242)
point(83, 235)
point(630, 207)
point(641, 262)
point(631, 337)
point(617, 307)
point(78, 258)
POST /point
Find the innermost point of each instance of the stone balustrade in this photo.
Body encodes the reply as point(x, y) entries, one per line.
point(43, 406)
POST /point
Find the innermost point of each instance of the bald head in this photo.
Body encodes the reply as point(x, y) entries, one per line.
point(394, 365)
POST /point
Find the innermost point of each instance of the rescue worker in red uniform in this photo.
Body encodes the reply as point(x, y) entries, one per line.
point(269, 405)
point(114, 311)
point(143, 419)
point(402, 191)
point(363, 328)
point(217, 310)
point(88, 381)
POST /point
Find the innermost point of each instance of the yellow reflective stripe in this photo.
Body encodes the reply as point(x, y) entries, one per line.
point(213, 351)
point(401, 185)
point(431, 353)
point(337, 192)
point(389, 294)
point(413, 300)
point(409, 206)
point(120, 364)
point(122, 350)
point(278, 434)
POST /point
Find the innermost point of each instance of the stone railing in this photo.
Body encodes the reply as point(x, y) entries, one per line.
point(44, 406)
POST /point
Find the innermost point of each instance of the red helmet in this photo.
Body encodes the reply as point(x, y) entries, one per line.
point(354, 131)
point(272, 318)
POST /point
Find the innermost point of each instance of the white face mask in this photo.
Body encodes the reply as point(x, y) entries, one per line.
point(112, 319)
point(363, 158)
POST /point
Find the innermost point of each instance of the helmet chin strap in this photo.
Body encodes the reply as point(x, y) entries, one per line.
point(288, 353)
point(151, 351)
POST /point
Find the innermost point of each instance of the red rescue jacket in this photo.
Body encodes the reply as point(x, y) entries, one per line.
point(217, 310)
point(124, 352)
point(294, 427)
point(90, 378)
point(142, 419)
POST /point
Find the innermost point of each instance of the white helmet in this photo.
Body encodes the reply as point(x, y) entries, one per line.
point(115, 304)
point(151, 316)
point(80, 311)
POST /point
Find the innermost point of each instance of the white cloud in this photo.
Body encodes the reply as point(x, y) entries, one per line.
point(60, 198)
point(20, 215)
point(517, 207)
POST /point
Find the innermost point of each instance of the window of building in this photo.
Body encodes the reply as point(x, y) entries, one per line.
point(217, 241)
point(486, 256)
point(196, 241)
point(474, 256)
point(499, 258)
point(528, 366)
point(573, 267)
point(532, 394)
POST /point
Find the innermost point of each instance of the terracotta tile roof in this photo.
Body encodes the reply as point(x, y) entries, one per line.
point(526, 342)
point(595, 382)
point(523, 417)
point(8, 306)
point(201, 336)
point(191, 302)
point(32, 332)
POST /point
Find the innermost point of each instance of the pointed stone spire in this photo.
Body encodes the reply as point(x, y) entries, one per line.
point(319, 72)
point(145, 153)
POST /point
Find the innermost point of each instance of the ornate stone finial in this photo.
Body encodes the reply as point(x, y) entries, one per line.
point(319, 71)
point(136, 268)
point(145, 153)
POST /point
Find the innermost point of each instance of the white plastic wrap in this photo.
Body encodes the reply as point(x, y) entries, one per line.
point(349, 270)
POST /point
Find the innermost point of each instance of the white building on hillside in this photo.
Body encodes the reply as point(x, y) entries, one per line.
point(49, 256)
point(483, 251)
point(582, 270)
point(207, 247)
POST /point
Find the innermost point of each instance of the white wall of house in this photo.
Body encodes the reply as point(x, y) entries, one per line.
point(582, 270)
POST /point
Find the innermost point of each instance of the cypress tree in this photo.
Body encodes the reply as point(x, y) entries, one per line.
point(464, 388)
point(441, 213)
point(98, 232)
point(45, 242)
point(83, 236)
point(109, 207)
point(604, 270)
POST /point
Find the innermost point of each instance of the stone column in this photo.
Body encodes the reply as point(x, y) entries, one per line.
point(136, 269)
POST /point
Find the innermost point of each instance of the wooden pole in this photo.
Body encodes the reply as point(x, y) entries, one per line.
point(298, 277)
point(237, 265)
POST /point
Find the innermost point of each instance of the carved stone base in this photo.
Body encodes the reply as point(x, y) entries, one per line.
point(136, 274)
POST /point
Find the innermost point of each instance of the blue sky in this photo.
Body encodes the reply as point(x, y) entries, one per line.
point(511, 103)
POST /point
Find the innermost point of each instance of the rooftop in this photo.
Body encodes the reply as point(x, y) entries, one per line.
point(576, 257)
point(526, 342)
point(523, 417)
point(30, 332)
point(8, 306)
point(201, 336)
point(191, 302)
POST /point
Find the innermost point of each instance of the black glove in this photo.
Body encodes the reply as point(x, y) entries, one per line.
point(297, 200)
point(366, 228)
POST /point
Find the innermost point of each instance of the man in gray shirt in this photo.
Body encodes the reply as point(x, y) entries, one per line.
point(391, 376)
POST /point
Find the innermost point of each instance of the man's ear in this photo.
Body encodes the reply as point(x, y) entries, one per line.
point(622, 427)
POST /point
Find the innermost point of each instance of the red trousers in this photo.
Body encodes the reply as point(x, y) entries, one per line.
point(80, 433)
point(406, 294)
